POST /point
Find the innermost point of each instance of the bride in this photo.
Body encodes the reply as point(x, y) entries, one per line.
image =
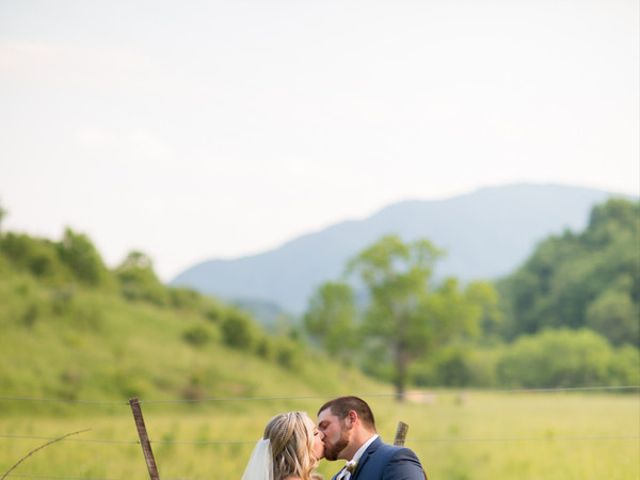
point(289, 450)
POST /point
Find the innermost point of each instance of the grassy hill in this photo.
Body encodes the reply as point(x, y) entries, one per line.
point(65, 339)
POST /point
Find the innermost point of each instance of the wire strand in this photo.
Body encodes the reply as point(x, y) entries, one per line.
point(54, 477)
point(425, 440)
point(315, 397)
point(63, 400)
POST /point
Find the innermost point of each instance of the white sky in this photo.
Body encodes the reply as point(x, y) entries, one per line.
point(193, 130)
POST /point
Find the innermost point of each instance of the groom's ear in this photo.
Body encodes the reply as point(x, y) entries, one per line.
point(353, 417)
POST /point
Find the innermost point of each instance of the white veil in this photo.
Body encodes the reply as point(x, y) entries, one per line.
point(260, 466)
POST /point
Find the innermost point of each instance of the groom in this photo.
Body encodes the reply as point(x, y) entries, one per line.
point(350, 434)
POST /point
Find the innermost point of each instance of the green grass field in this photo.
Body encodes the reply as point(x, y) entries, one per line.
point(95, 345)
point(478, 435)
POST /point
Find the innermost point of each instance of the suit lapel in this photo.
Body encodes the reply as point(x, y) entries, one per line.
point(365, 457)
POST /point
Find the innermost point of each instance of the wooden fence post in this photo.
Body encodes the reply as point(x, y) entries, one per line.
point(144, 439)
point(401, 434)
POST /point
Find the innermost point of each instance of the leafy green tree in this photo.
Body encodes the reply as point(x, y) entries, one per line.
point(449, 311)
point(397, 277)
point(610, 219)
point(197, 335)
point(82, 258)
point(486, 303)
point(559, 283)
point(408, 318)
point(459, 364)
point(623, 369)
point(138, 280)
point(557, 358)
point(454, 314)
point(330, 319)
point(613, 315)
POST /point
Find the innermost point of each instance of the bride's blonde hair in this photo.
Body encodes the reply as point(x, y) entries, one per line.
point(291, 437)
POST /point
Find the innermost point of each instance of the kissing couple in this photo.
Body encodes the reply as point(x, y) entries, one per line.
point(293, 445)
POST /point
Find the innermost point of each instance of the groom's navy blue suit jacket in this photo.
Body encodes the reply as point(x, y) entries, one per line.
point(387, 462)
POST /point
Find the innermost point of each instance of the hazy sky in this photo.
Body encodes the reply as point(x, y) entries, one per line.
point(193, 130)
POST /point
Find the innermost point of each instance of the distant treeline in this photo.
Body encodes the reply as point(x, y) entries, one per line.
point(581, 280)
point(569, 316)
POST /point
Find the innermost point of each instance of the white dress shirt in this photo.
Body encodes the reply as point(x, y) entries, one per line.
point(346, 474)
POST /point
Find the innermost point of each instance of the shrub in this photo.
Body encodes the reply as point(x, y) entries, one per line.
point(82, 258)
point(624, 368)
point(614, 315)
point(138, 280)
point(452, 367)
point(264, 348)
point(184, 298)
point(197, 336)
point(458, 365)
point(286, 354)
point(36, 256)
point(212, 314)
point(556, 358)
point(237, 331)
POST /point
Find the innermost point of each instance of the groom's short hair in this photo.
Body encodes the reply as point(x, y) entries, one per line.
point(341, 406)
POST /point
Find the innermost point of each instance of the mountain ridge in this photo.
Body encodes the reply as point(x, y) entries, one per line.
point(486, 233)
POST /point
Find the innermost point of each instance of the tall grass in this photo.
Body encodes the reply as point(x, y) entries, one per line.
point(477, 436)
point(84, 344)
point(73, 344)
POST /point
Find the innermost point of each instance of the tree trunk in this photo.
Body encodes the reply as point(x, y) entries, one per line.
point(402, 361)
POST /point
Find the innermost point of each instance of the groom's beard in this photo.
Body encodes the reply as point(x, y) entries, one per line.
point(332, 452)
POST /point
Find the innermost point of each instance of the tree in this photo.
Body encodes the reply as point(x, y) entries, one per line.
point(397, 277)
point(79, 254)
point(330, 319)
point(557, 358)
point(485, 298)
point(38, 256)
point(449, 311)
point(138, 280)
point(3, 213)
point(613, 315)
point(558, 284)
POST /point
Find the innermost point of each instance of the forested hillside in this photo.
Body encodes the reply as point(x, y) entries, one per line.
point(589, 279)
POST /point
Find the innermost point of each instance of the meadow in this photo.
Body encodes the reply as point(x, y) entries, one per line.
point(459, 436)
point(70, 343)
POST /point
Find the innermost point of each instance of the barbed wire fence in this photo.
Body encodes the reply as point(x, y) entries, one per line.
point(401, 432)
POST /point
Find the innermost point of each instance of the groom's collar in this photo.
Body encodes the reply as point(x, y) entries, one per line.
point(363, 448)
point(368, 449)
